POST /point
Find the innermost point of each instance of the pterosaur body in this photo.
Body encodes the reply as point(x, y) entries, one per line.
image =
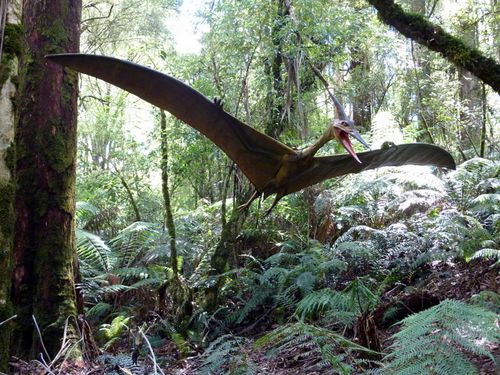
point(271, 166)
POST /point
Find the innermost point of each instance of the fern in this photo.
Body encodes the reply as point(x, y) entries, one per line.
point(433, 341)
point(84, 213)
point(332, 305)
point(133, 241)
point(284, 278)
point(94, 254)
point(467, 182)
point(488, 300)
point(320, 345)
point(112, 332)
point(488, 253)
point(225, 355)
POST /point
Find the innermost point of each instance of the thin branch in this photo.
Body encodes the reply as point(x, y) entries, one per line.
point(6, 320)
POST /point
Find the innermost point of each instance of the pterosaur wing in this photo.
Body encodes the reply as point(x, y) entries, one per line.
point(327, 167)
point(258, 155)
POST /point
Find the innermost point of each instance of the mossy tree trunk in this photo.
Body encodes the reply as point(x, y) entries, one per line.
point(180, 294)
point(274, 68)
point(434, 37)
point(44, 245)
point(223, 252)
point(169, 218)
point(10, 53)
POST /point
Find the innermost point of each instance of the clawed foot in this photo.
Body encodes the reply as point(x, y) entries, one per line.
point(218, 103)
point(245, 206)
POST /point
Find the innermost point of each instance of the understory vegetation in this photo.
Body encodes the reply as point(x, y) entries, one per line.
point(361, 299)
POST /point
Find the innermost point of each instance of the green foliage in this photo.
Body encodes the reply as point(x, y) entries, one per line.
point(120, 265)
point(226, 355)
point(488, 253)
point(473, 178)
point(180, 342)
point(488, 300)
point(321, 346)
point(435, 341)
point(387, 223)
point(333, 307)
point(283, 279)
point(111, 333)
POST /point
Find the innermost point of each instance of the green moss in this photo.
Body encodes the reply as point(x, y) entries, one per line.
point(13, 39)
point(13, 46)
point(59, 149)
point(57, 33)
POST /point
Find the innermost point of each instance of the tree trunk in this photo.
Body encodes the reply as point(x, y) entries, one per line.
point(11, 34)
point(44, 247)
point(275, 126)
point(169, 218)
point(224, 251)
point(453, 49)
point(362, 99)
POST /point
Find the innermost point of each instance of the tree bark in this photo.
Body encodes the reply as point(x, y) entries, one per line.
point(417, 28)
point(44, 246)
point(11, 41)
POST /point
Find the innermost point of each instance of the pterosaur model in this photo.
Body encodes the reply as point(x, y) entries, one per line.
point(271, 166)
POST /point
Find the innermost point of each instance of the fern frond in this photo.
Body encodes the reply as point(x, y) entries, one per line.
point(84, 212)
point(428, 341)
point(488, 253)
point(94, 254)
point(326, 301)
point(225, 356)
point(132, 241)
point(327, 345)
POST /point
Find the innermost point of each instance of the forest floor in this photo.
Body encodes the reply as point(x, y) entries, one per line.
point(438, 281)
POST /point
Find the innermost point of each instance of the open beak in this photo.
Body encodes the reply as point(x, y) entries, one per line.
point(343, 137)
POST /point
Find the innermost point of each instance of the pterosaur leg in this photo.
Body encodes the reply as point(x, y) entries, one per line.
point(254, 196)
point(277, 198)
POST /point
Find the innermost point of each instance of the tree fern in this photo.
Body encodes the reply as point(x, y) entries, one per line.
point(93, 252)
point(467, 182)
point(84, 213)
point(434, 341)
point(133, 241)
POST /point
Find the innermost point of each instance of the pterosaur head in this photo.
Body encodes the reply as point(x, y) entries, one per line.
point(344, 128)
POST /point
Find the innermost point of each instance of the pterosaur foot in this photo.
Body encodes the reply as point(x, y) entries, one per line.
point(275, 202)
point(218, 103)
point(254, 196)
